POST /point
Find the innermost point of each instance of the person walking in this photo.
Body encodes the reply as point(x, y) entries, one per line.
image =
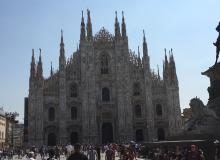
point(92, 154)
point(109, 154)
point(77, 155)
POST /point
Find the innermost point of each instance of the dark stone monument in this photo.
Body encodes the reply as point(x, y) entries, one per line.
point(205, 119)
point(204, 123)
point(214, 75)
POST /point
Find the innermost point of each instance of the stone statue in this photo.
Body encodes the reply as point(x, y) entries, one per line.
point(201, 114)
point(217, 43)
point(199, 109)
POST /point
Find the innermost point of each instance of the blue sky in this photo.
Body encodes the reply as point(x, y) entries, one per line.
point(186, 26)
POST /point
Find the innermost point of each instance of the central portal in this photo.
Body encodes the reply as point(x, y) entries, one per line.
point(107, 133)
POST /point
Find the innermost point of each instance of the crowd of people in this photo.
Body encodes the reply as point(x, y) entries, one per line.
point(109, 152)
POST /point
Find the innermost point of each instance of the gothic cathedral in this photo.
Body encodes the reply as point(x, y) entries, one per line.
point(103, 93)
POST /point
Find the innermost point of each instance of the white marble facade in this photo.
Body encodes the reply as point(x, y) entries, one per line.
point(103, 93)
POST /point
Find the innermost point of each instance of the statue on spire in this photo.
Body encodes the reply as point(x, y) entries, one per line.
point(217, 43)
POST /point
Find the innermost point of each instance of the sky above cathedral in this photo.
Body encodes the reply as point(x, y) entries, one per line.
point(186, 26)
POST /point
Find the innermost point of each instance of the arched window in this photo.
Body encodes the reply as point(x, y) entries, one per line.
point(104, 64)
point(138, 110)
point(51, 114)
point(136, 89)
point(73, 90)
point(73, 113)
point(159, 109)
point(105, 94)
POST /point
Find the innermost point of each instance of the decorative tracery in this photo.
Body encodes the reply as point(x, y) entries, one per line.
point(104, 36)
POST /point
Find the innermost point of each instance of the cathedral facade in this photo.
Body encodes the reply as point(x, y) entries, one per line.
point(103, 93)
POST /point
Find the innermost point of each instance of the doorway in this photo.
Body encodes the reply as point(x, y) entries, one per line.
point(160, 134)
point(74, 137)
point(139, 135)
point(51, 141)
point(107, 133)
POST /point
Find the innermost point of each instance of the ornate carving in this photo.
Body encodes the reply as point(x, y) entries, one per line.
point(200, 114)
point(104, 36)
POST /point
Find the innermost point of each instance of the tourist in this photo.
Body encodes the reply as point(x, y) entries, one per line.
point(98, 150)
point(30, 156)
point(92, 154)
point(193, 154)
point(77, 155)
point(109, 154)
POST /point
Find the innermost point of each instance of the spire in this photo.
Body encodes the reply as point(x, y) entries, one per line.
point(32, 58)
point(158, 72)
point(139, 57)
point(77, 47)
point(165, 67)
point(145, 50)
point(123, 27)
point(40, 56)
point(144, 39)
point(82, 34)
point(62, 59)
point(62, 51)
point(166, 61)
point(172, 66)
point(171, 56)
point(117, 27)
point(89, 26)
point(138, 53)
point(39, 67)
point(33, 66)
point(51, 69)
point(61, 41)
